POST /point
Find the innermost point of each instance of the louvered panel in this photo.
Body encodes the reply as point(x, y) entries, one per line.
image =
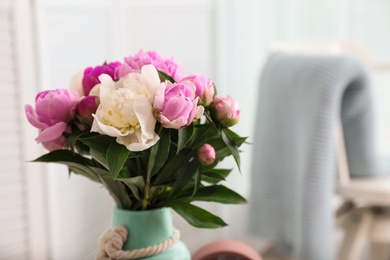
point(80, 210)
point(13, 226)
point(8, 135)
point(11, 205)
point(9, 189)
point(8, 154)
point(8, 175)
point(7, 82)
point(13, 230)
point(9, 117)
point(74, 42)
point(9, 253)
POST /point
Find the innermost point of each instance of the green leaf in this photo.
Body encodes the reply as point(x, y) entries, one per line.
point(100, 158)
point(198, 178)
point(169, 169)
point(135, 184)
point(100, 143)
point(83, 171)
point(215, 175)
point(117, 191)
point(158, 154)
point(163, 77)
point(75, 162)
point(61, 156)
point(185, 134)
point(238, 140)
point(101, 172)
point(221, 172)
point(72, 139)
point(116, 157)
point(184, 176)
point(203, 134)
point(196, 216)
point(231, 145)
point(215, 193)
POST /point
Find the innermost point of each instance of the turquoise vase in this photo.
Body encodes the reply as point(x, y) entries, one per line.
point(148, 228)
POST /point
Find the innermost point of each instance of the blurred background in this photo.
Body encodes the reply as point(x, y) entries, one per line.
point(47, 214)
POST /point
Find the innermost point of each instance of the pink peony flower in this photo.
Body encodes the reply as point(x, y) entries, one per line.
point(172, 68)
point(204, 87)
point(86, 107)
point(142, 58)
point(53, 110)
point(225, 110)
point(55, 144)
point(206, 154)
point(176, 105)
point(91, 75)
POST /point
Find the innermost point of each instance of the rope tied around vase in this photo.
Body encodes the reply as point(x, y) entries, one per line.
point(112, 241)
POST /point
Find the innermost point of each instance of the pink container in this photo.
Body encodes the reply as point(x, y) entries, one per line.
point(228, 249)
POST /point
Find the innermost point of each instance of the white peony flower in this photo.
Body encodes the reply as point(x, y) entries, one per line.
point(126, 110)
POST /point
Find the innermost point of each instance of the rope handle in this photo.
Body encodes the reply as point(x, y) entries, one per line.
point(112, 241)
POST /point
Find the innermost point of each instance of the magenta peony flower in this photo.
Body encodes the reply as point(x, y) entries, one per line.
point(206, 154)
point(53, 110)
point(176, 105)
point(225, 110)
point(204, 87)
point(86, 107)
point(91, 75)
point(142, 58)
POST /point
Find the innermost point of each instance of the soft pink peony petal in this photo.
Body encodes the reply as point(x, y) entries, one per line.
point(123, 70)
point(51, 133)
point(177, 107)
point(55, 106)
point(32, 117)
point(56, 144)
point(175, 124)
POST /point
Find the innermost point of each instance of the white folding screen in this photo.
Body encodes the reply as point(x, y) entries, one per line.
point(22, 218)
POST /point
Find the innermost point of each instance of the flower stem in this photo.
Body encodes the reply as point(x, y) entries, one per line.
point(146, 195)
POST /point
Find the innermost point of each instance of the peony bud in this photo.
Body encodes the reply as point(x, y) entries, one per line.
point(225, 110)
point(86, 107)
point(206, 154)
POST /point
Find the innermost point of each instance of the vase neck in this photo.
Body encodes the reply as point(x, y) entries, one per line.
point(145, 228)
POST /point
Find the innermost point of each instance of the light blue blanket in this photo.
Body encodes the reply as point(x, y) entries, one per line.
point(301, 99)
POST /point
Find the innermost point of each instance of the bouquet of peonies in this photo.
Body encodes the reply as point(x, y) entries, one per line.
point(152, 137)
